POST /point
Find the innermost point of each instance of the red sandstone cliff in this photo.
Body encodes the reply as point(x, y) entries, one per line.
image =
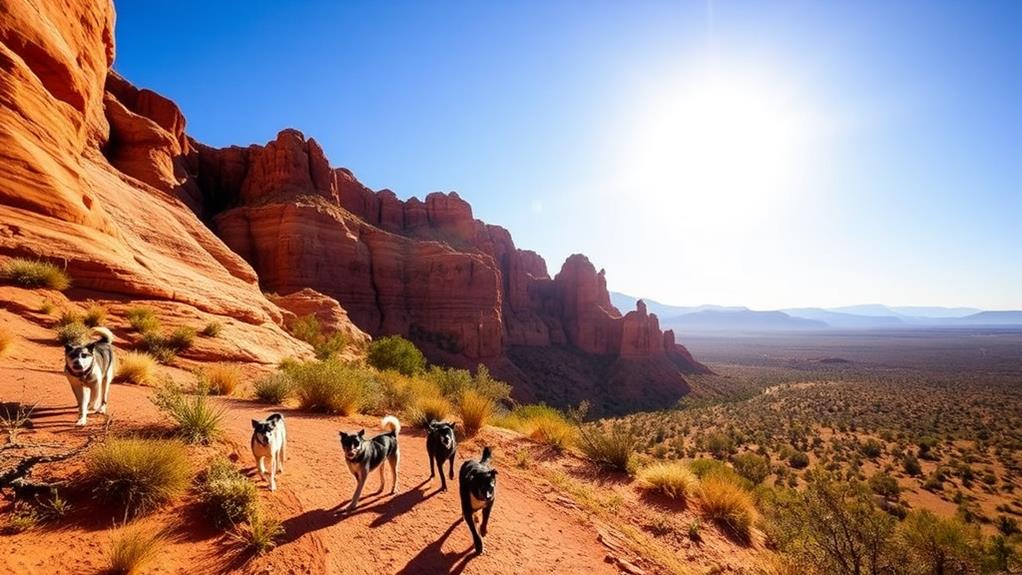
point(102, 174)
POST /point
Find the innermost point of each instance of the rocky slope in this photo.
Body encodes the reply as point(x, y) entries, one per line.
point(101, 174)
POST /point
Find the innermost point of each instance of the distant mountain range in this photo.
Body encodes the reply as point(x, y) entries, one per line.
point(868, 316)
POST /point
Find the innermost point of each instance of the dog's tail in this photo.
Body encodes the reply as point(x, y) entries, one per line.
point(105, 335)
point(390, 423)
point(487, 453)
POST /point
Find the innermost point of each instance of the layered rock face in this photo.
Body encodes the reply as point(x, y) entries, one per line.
point(102, 174)
point(92, 174)
point(430, 271)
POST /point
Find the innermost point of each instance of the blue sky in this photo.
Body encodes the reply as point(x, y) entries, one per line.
point(769, 154)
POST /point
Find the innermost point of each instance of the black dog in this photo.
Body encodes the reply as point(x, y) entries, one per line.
point(365, 455)
point(441, 447)
point(478, 485)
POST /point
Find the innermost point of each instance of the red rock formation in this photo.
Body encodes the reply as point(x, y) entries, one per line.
point(121, 235)
point(103, 174)
point(325, 309)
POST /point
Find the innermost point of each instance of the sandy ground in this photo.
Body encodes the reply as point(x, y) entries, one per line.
point(417, 530)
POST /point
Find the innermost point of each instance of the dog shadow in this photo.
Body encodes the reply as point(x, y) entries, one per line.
point(386, 508)
point(432, 558)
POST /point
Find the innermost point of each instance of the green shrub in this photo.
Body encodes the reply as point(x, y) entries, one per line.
point(34, 274)
point(798, 460)
point(397, 353)
point(21, 518)
point(610, 446)
point(308, 329)
point(138, 475)
point(157, 346)
point(752, 467)
point(941, 545)
point(226, 494)
point(332, 387)
point(884, 485)
point(196, 419)
point(275, 388)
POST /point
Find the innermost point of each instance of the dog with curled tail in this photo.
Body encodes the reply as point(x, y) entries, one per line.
point(90, 369)
point(364, 456)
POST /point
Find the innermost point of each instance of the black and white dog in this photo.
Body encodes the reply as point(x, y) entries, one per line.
point(90, 368)
point(365, 455)
point(269, 440)
point(477, 482)
point(441, 447)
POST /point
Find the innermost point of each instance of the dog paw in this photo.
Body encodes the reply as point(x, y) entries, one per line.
point(102, 409)
point(80, 422)
point(273, 487)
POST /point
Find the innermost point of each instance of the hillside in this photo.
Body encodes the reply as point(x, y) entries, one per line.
point(102, 177)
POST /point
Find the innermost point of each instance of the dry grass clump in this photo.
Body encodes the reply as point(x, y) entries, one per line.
point(21, 518)
point(611, 446)
point(226, 494)
point(275, 388)
point(541, 423)
point(212, 329)
point(260, 533)
point(138, 475)
point(72, 333)
point(95, 315)
point(220, 378)
point(181, 338)
point(728, 504)
point(34, 274)
point(136, 367)
point(142, 319)
point(429, 408)
point(674, 480)
point(196, 419)
point(476, 410)
point(332, 387)
point(132, 548)
point(6, 339)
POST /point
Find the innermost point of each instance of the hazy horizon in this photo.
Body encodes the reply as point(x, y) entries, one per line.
point(756, 154)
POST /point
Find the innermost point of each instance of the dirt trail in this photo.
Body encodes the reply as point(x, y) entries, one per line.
point(418, 530)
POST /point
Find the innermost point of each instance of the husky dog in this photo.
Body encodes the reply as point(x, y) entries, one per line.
point(90, 368)
point(365, 455)
point(477, 482)
point(269, 440)
point(441, 447)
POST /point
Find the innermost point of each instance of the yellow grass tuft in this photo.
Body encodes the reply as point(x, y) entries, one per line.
point(728, 504)
point(132, 548)
point(476, 410)
point(95, 315)
point(673, 480)
point(139, 475)
point(541, 423)
point(220, 378)
point(136, 367)
point(34, 274)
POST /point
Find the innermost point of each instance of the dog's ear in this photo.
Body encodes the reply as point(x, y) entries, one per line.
point(432, 425)
point(255, 424)
point(453, 424)
point(68, 347)
point(91, 346)
point(361, 432)
point(342, 434)
point(493, 473)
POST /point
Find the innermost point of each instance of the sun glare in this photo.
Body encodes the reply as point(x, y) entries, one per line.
point(720, 143)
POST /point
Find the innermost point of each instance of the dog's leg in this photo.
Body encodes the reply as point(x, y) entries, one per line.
point(443, 480)
point(432, 463)
point(382, 482)
point(452, 467)
point(281, 457)
point(106, 390)
point(394, 461)
point(470, 520)
point(83, 405)
point(261, 464)
point(486, 519)
point(273, 471)
point(362, 476)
